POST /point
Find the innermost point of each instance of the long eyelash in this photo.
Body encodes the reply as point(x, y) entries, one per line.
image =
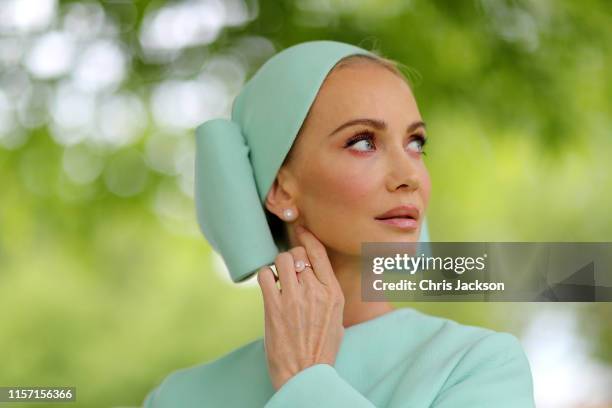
point(423, 140)
point(366, 135)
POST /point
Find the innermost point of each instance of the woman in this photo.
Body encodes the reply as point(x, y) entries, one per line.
point(334, 141)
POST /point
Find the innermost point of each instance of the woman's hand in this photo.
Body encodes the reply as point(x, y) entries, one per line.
point(303, 320)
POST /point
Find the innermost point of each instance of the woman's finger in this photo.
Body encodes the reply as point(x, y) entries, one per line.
point(318, 256)
point(308, 277)
point(286, 273)
point(269, 290)
point(299, 254)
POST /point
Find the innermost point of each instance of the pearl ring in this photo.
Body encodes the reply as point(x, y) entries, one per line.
point(301, 265)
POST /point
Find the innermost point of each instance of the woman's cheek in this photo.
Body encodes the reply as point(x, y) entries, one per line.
point(340, 180)
point(352, 186)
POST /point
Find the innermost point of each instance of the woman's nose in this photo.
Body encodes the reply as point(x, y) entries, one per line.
point(403, 170)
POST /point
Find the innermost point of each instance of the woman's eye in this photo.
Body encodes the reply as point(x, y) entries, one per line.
point(417, 144)
point(363, 141)
point(364, 144)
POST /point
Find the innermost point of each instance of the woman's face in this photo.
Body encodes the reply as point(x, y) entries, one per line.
point(342, 176)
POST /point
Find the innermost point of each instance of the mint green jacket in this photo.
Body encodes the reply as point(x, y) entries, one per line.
point(404, 358)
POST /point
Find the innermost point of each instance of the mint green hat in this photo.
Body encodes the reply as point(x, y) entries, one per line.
point(237, 159)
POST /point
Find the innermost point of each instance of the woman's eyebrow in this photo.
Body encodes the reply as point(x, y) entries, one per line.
point(376, 124)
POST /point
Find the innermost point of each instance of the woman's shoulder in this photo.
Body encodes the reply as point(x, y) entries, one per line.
point(435, 341)
point(212, 382)
point(463, 351)
point(456, 362)
point(456, 337)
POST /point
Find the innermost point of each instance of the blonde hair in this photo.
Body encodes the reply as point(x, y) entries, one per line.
point(387, 63)
point(278, 226)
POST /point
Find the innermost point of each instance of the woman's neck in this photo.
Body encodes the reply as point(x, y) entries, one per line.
point(348, 272)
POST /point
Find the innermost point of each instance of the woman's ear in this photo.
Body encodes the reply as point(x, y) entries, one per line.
point(272, 198)
point(281, 194)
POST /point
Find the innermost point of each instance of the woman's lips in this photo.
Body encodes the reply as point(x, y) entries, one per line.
point(402, 223)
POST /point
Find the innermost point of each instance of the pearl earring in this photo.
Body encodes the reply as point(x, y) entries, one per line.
point(289, 214)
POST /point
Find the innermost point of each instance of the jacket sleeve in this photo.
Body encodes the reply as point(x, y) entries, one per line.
point(494, 373)
point(317, 386)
